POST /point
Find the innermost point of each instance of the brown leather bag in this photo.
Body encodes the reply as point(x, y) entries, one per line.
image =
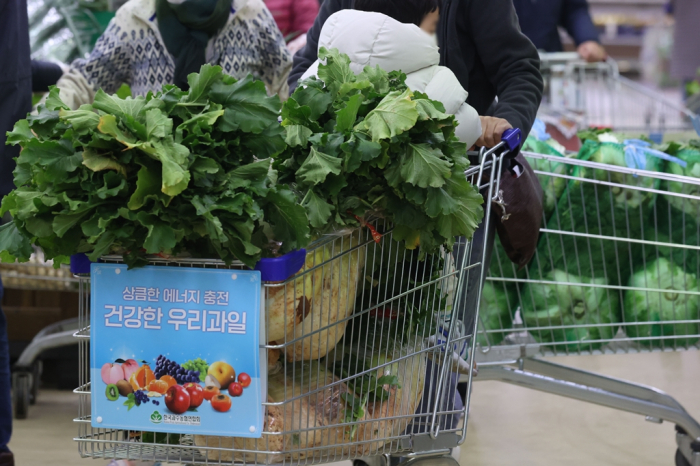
point(519, 210)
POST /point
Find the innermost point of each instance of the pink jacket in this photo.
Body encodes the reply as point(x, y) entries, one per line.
point(293, 16)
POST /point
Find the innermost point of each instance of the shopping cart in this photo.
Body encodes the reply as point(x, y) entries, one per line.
point(580, 95)
point(37, 275)
point(348, 305)
point(615, 272)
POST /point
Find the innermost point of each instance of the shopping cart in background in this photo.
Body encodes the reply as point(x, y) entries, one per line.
point(37, 275)
point(616, 271)
point(579, 95)
point(379, 318)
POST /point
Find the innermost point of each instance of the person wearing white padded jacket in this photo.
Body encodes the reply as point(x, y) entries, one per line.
point(372, 39)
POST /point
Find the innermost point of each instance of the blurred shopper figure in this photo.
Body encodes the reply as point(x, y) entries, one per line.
point(294, 18)
point(15, 102)
point(540, 21)
point(151, 43)
point(685, 59)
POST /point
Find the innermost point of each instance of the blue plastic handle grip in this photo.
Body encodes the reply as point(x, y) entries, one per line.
point(513, 138)
point(278, 269)
point(79, 264)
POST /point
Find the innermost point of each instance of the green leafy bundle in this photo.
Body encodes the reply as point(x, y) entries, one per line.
point(173, 173)
point(362, 145)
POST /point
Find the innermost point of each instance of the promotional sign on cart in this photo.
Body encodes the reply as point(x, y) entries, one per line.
point(177, 350)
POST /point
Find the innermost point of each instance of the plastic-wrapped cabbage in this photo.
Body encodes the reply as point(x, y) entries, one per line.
point(552, 185)
point(658, 310)
point(614, 154)
point(689, 206)
point(589, 312)
point(308, 418)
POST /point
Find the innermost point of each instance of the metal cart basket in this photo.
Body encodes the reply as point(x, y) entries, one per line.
point(596, 95)
point(616, 271)
point(346, 366)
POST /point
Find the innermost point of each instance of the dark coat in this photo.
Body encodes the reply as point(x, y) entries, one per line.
point(481, 43)
point(540, 19)
point(15, 81)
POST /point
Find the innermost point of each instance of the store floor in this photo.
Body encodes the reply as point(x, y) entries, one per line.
point(508, 425)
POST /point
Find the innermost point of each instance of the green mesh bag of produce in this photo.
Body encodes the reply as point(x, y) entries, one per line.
point(552, 185)
point(691, 156)
point(588, 252)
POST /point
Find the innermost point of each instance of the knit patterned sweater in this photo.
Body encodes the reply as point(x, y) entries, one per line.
point(132, 51)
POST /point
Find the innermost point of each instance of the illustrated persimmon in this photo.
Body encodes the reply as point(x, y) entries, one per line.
point(140, 379)
point(160, 386)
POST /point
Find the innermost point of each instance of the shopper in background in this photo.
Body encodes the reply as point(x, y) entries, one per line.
point(151, 43)
point(15, 102)
point(481, 43)
point(294, 18)
point(685, 59)
point(540, 21)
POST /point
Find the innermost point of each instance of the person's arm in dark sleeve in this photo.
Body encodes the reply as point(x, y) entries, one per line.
point(305, 57)
point(577, 21)
point(45, 74)
point(510, 60)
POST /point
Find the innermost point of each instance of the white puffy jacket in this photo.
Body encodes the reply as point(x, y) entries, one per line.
point(376, 39)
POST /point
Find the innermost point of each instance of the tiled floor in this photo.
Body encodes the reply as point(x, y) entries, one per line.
point(508, 425)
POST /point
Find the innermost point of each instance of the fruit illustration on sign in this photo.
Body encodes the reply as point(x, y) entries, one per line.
point(124, 388)
point(210, 392)
point(112, 392)
point(112, 373)
point(244, 379)
point(130, 366)
point(220, 375)
point(158, 386)
point(196, 394)
point(169, 380)
point(140, 379)
point(221, 403)
point(235, 389)
point(177, 399)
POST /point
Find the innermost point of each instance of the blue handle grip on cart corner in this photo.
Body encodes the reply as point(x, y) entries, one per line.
point(278, 269)
point(513, 138)
point(80, 264)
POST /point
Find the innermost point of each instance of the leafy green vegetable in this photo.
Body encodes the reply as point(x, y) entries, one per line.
point(160, 437)
point(691, 155)
point(552, 185)
point(173, 173)
point(662, 313)
point(591, 134)
point(364, 145)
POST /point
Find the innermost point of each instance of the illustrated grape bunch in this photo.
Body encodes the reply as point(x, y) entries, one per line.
point(165, 366)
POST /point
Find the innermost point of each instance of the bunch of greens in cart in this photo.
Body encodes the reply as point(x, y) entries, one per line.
point(365, 145)
point(178, 172)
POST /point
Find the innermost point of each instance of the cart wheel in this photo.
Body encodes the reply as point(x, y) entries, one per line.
point(37, 369)
point(21, 391)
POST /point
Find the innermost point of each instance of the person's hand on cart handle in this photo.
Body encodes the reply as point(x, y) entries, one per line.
point(492, 130)
point(592, 51)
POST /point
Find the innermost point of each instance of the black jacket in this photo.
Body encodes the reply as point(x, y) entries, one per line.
point(15, 81)
point(480, 41)
point(540, 19)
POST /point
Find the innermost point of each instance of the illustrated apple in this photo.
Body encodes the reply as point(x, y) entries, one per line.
point(221, 403)
point(223, 373)
point(177, 399)
point(112, 373)
point(130, 366)
point(235, 389)
point(244, 379)
point(196, 394)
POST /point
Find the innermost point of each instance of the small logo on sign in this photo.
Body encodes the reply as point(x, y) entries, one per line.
point(156, 418)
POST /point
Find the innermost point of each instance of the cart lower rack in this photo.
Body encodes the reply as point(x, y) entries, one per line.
point(616, 271)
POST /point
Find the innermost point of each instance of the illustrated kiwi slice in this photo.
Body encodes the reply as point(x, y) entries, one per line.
point(112, 392)
point(124, 388)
